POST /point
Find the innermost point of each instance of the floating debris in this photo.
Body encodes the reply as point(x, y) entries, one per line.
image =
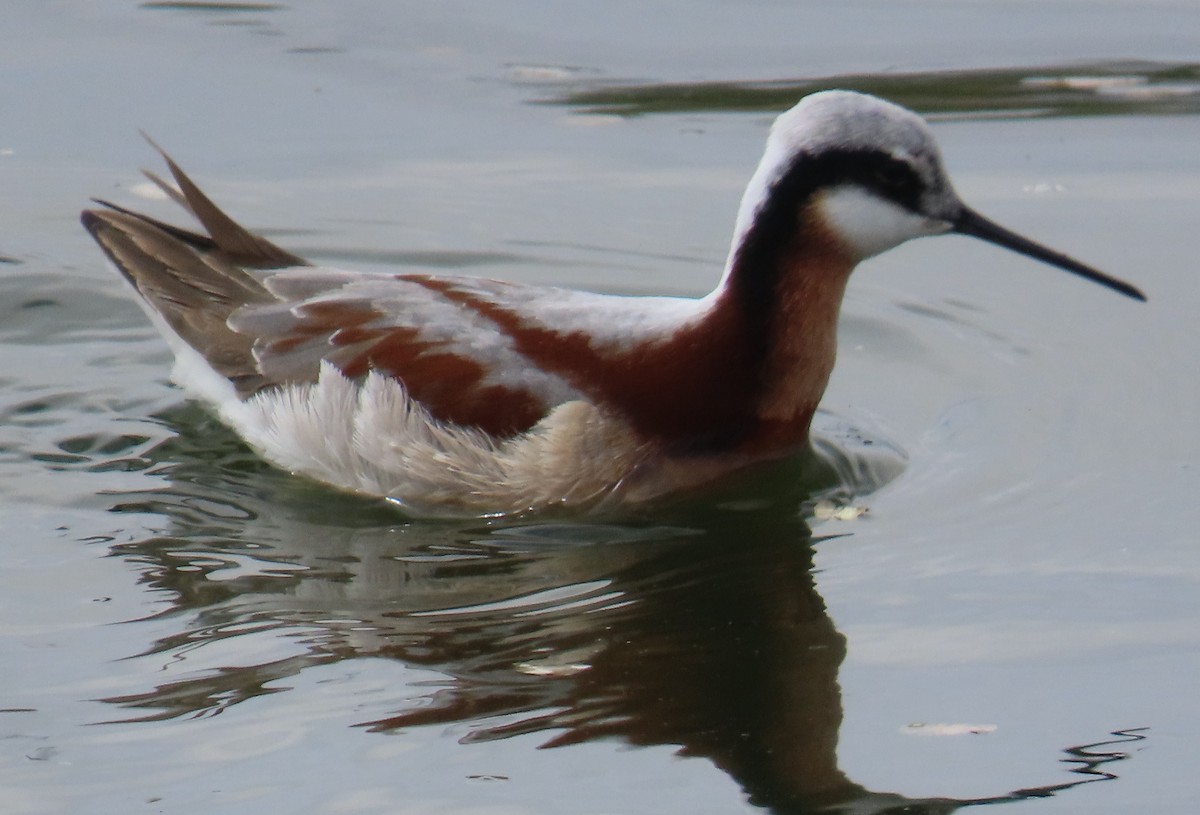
point(826, 510)
point(926, 729)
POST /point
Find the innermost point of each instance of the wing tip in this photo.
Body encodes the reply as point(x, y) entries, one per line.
point(90, 218)
point(225, 236)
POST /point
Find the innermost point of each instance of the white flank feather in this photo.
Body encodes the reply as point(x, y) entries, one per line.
point(370, 437)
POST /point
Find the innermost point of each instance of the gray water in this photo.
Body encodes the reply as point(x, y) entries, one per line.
point(184, 629)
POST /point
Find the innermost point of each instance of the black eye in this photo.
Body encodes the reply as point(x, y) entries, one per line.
point(892, 176)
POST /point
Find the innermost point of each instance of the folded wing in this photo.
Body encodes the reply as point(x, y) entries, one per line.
point(477, 353)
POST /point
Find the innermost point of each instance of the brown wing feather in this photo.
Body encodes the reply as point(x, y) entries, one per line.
point(236, 243)
point(457, 365)
point(261, 330)
point(193, 291)
point(194, 281)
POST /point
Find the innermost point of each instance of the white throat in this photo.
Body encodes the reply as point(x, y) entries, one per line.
point(868, 224)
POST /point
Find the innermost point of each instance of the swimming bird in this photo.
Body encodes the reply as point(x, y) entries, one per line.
point(453, 395)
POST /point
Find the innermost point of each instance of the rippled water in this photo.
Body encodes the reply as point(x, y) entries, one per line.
point(983, 590)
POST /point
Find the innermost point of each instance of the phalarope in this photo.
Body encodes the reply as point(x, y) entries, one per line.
point(456, 394)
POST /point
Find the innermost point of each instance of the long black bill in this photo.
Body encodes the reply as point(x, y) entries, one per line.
point(972, 223)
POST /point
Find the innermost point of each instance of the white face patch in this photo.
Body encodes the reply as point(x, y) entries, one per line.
point(869, 224)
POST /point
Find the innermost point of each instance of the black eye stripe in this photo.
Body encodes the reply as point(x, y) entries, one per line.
point(873, 170)
point(893, 179)
point(893, 174)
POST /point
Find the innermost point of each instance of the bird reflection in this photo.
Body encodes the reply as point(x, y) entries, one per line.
point(703, 631)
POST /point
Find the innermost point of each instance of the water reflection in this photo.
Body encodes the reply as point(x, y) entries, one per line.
point(702, 629)
point(1098, 89)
